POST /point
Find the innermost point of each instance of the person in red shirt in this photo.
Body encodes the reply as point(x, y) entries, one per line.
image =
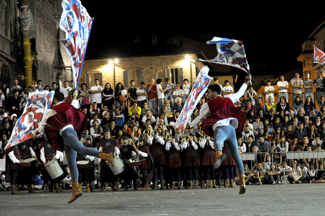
point(152, 95)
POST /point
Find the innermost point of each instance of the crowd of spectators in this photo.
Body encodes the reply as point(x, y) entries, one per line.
point(272, 128)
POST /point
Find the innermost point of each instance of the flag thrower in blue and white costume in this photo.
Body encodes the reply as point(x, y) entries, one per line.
point(221, 119)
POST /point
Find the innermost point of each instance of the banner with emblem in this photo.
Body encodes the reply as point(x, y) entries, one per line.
point(37, 104)
point(76, 23)
point(199, 88)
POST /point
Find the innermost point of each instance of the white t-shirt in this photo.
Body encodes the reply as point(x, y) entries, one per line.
point(178, 92)
point(97, 97)
point(186, 89)
point(282, 83)
point(65, 91)
point(160, 94)
point(227, 89)
point(141, 97)
point(267, 95)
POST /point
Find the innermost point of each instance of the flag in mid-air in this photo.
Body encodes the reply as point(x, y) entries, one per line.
point(37, 104)
point(76, 23)
point(230, 52)
point(319, 56)
point(199, 88)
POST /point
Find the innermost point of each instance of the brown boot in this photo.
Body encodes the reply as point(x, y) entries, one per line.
point(242, 188)
point(75, 192)
point(14, 189)
point(173, 185)
point(105, 187)
point(208, 183)
point(190, 185)
point(220, 183)
point(203, 184)
point(196, 184)
point(155, 187)
point(117, 186)
point(232, 184)
point(146, 186)
point(30, 188)
point(80, 188)
point(57, 187)
point(179, 185)
point(44, 188)
point(107, 157)
point(163, 187)
point(227, 183)
point(214, 183)
point(88, 187)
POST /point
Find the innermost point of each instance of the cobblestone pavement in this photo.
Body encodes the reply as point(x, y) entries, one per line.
point(302, 199)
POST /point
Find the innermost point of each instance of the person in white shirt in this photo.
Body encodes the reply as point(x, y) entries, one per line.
point(65, 89)
point(227, 89)
point(186, 89)
point(178, 93)
point(147, 116)
point(96, 93)
point(283, 87)
point(142, 94)
point(269, 90)
point(161, 95)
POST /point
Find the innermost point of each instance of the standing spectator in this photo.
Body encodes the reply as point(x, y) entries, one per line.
point(250, 95)
point(65, 89)
point(152, 94)
point(96, 93)
point(38, 86)
point(161, 95)
point(5, 89)
point(186, 89)
point(308, 86)
point(169, 88)
point(297, 85)
point(2, 99)
point(15, 86)
point(132, 93)
point(319, 85)
point(269, 90)
point(118, 95)
point(178, 93)
point(108, 96)
point(84, 97)
point(54, 86)
point(141, 93)
point(227, 89)
point(283, 87)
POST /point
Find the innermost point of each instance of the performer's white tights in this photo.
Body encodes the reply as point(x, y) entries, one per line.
point(72, 146)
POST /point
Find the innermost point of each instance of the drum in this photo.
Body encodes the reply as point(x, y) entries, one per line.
point(53, 168)
point(83, 164)
point(133, 169)
point(118, 165)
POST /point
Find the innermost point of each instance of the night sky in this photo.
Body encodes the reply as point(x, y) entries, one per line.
point(269, 32)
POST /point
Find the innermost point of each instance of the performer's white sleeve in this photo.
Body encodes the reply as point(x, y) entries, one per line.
point(41, 126)
point(75, 103)
point(117, 150)
point(184, 145)
point(211, 144)
point(92, 158)
point(100, 150)
point(177, 147)
point(235, 97)
point(161, 140)
point(168, 145)
point(59, 155)
point(12, 157)
point(42, 155)
point(32, 153)
point(143, 154)
point(202, 143)
point(195, 146)
point(149, 140)
point(203, 112)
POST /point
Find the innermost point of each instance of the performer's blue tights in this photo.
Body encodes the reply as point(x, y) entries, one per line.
point(71, 146)
point(227, 135)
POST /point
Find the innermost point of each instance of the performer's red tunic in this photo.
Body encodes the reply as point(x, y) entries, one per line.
point(65, 114)
point(222, 108)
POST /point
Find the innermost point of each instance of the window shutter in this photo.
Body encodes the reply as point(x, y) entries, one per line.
point(180, 75)
point(167, 73)
point(126, 78)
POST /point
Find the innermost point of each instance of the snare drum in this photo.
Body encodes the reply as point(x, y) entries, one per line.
point(28, 160)
point(83, 164)
point(118, 165)
point(53, 168)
